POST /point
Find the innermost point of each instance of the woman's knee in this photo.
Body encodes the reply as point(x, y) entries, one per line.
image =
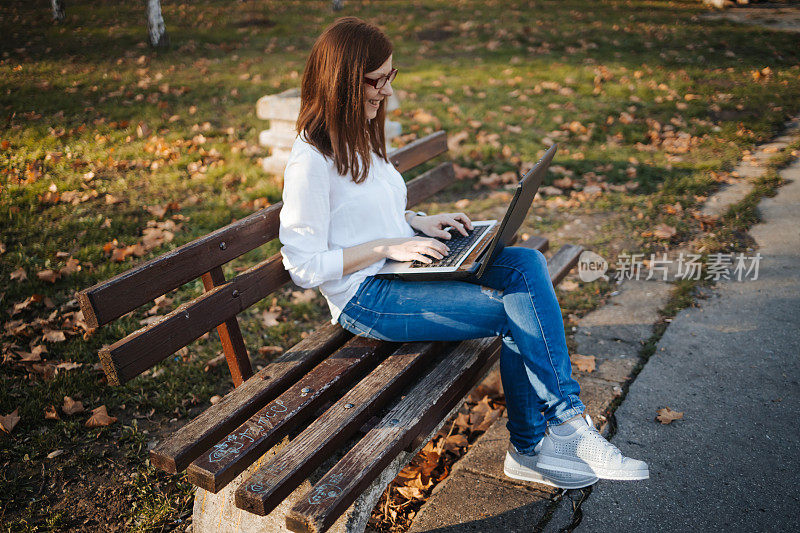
point(530, 259)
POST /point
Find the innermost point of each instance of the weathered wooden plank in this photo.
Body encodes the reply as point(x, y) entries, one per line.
point(230, 335)
point(419, 151)
point(429, 183)
point(534, 241)
point(271, 483)
point(112, 298)
point(129, 357)
point(182, 447)
point(562, 262)
point(443, 385)
point(224, 461)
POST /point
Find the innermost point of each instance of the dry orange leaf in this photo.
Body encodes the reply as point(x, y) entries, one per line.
point(8, 422)
point(584, 363)
point(667, 415)
point(19, 275)
point(29, 357)
point(50, 413)
point(411, 493)
point(72, 266)
point(663, 231)
point(71, 407)
point(301, 297)
point(454, 443)
point(270, 350)
point(269, 318)
point(100, 418)
point(53, 335)
point(47, 275)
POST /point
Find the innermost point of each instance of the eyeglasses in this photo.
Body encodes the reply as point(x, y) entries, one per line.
point(380, 82)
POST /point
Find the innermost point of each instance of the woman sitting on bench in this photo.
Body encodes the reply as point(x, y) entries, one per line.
point(344, 216)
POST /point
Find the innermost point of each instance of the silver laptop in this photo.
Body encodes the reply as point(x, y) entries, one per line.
point(470, 255)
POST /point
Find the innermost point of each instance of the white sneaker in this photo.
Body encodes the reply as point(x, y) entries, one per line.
point(518, 466)
point(586, 452)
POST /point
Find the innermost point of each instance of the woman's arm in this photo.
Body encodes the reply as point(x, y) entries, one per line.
point(400, 249)
point(362, 255)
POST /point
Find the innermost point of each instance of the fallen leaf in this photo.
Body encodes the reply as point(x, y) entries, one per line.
point(54, 454)
point(72, 266)
point(584, 363)
point(28, 357)
point(26, 303)
point(68, 365)
point(47, 370)
point(100, 418)
point(454, 443)
point(568, 285)
point(269, 318)
point(301, 297)
point(8, 422)
point(47, 275)
point(270, 350)
point(71, 407)
point(410, 493)
point(19, 275)
point(667, 415)
point(663, 231)
point(53, 335)
point(216, 361)
point(50, 413)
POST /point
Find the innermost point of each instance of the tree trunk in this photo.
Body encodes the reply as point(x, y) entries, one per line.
point(58, 9)
point(156, 30)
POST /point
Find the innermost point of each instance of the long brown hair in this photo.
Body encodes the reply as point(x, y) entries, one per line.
point(332, 113)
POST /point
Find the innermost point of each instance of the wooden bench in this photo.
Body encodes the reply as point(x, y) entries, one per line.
point(348, 411)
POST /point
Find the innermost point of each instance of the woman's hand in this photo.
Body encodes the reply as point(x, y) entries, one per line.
point(414, 249)
point(433, 225)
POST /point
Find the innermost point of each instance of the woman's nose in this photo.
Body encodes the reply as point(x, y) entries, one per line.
point(387, 89)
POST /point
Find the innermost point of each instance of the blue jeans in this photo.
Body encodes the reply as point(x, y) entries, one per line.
point(514, 299)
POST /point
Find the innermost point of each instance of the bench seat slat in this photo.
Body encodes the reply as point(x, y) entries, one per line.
point(112, 298)
point(278, 478)
point(218, 466)
point(407, 421)
point(429, 401)
point(176, 452)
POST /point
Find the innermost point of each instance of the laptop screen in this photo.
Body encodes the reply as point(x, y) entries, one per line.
point(518, 210)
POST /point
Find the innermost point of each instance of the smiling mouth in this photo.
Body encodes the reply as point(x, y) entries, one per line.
point(376, 103)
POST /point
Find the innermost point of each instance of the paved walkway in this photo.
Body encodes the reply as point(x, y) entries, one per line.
point(732, 365)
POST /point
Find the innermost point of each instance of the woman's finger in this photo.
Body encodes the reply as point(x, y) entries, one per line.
point(464, 219)
point(439, 246)
point(458, 225)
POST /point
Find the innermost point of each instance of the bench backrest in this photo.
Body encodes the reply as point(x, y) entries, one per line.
point(223, 299)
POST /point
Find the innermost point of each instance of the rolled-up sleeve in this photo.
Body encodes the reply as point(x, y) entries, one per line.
point(305, 223)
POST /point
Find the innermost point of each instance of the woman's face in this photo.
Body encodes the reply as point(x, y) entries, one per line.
point(373, 97)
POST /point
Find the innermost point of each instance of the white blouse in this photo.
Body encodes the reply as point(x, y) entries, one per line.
point(324, 212)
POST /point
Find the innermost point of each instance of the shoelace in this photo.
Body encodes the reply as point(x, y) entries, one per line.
point(610, 449)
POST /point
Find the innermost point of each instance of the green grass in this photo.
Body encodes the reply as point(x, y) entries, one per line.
point(73, 93)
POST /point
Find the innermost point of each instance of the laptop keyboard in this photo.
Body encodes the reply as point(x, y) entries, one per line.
point(458, 244)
